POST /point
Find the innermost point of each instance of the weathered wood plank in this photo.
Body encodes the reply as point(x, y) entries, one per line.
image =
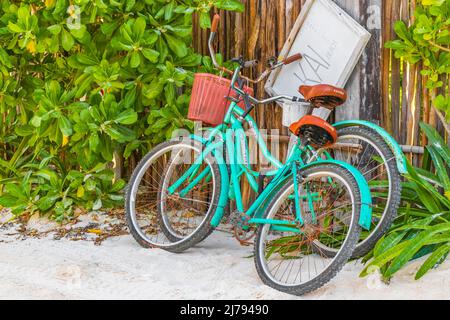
point(386, 62)
point(395, 84)
point(351, 109)
point(370, 64)
point(406, 99)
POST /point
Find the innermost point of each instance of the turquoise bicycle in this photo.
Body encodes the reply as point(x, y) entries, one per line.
point(305, 211)
point(306, 219)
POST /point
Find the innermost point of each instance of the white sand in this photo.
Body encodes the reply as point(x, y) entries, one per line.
point(217, 269)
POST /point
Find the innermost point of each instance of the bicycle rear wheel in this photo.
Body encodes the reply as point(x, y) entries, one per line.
point(291, 260)
point(171, 198)
point(370, 154)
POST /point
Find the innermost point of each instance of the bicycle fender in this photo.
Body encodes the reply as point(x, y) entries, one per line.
point(365, 219)
point(395, 147)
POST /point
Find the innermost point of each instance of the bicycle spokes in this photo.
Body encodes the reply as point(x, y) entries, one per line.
point(174, 194)
point(294, 257)
point(365, 157)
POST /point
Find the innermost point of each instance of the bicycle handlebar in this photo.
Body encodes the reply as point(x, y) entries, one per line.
point(215, 23)
point(237, 73)
point(251, 64)
point(214, 26)
point(292, 59)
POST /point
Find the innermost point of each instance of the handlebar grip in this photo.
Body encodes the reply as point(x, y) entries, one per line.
point(250, 64)
point(215, 23)
point(292, 59)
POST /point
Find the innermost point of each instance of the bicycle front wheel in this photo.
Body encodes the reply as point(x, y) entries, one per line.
point(172, 196)
point(291, 259)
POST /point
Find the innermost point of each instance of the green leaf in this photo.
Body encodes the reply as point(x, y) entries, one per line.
point(150, 54)
point(139, 27)
point(176, 45)
point(132, 146)
point(15, 191)
point(168, 12)
point(170, 93)
point(135, 60)
point(413, 247)
point(65, 126)
point(130, 98)
point(153, 90)
point(401, 30)
point(23, 14)
point(86, 60)
point(97, 205)
point(118, 186)
point(121, 134)
point(8, 201)
point(67, 40)
point(5, 58)
point(54, 29)
point(46, 203)
point(424, 189)
point(440, 102)
point(49, 175)
point(432, 2)
point(94, 141)
point(442, 170)
point(388, 242)
point(232, 5)
point(109, 27)
point(15, 28)
point(396, 45)
point(437, 142)
point(24, 131)
point(127, 117)
point(36, 121)
point(385, 257)
point(130, 5)
point(205, 20)
point(191, 60)
point(433, 260)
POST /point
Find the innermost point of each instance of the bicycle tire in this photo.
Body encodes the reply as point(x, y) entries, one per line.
point(342, 256)
point(181, 244)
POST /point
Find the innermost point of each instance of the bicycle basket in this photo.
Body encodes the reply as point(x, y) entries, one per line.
point(208, 101)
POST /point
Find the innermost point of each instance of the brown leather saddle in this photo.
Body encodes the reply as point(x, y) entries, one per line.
point(324, 95)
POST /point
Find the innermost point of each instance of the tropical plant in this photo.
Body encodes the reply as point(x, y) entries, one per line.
point(423, 225)
point(84, 84)
point(427, 40)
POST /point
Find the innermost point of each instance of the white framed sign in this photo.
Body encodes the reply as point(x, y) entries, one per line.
point(331, 43)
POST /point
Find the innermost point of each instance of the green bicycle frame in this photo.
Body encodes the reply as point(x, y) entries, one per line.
point(231, 135)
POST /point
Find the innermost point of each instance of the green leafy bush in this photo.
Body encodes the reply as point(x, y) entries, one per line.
point(84, 83)
point(423, 226)
point(427, 41)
